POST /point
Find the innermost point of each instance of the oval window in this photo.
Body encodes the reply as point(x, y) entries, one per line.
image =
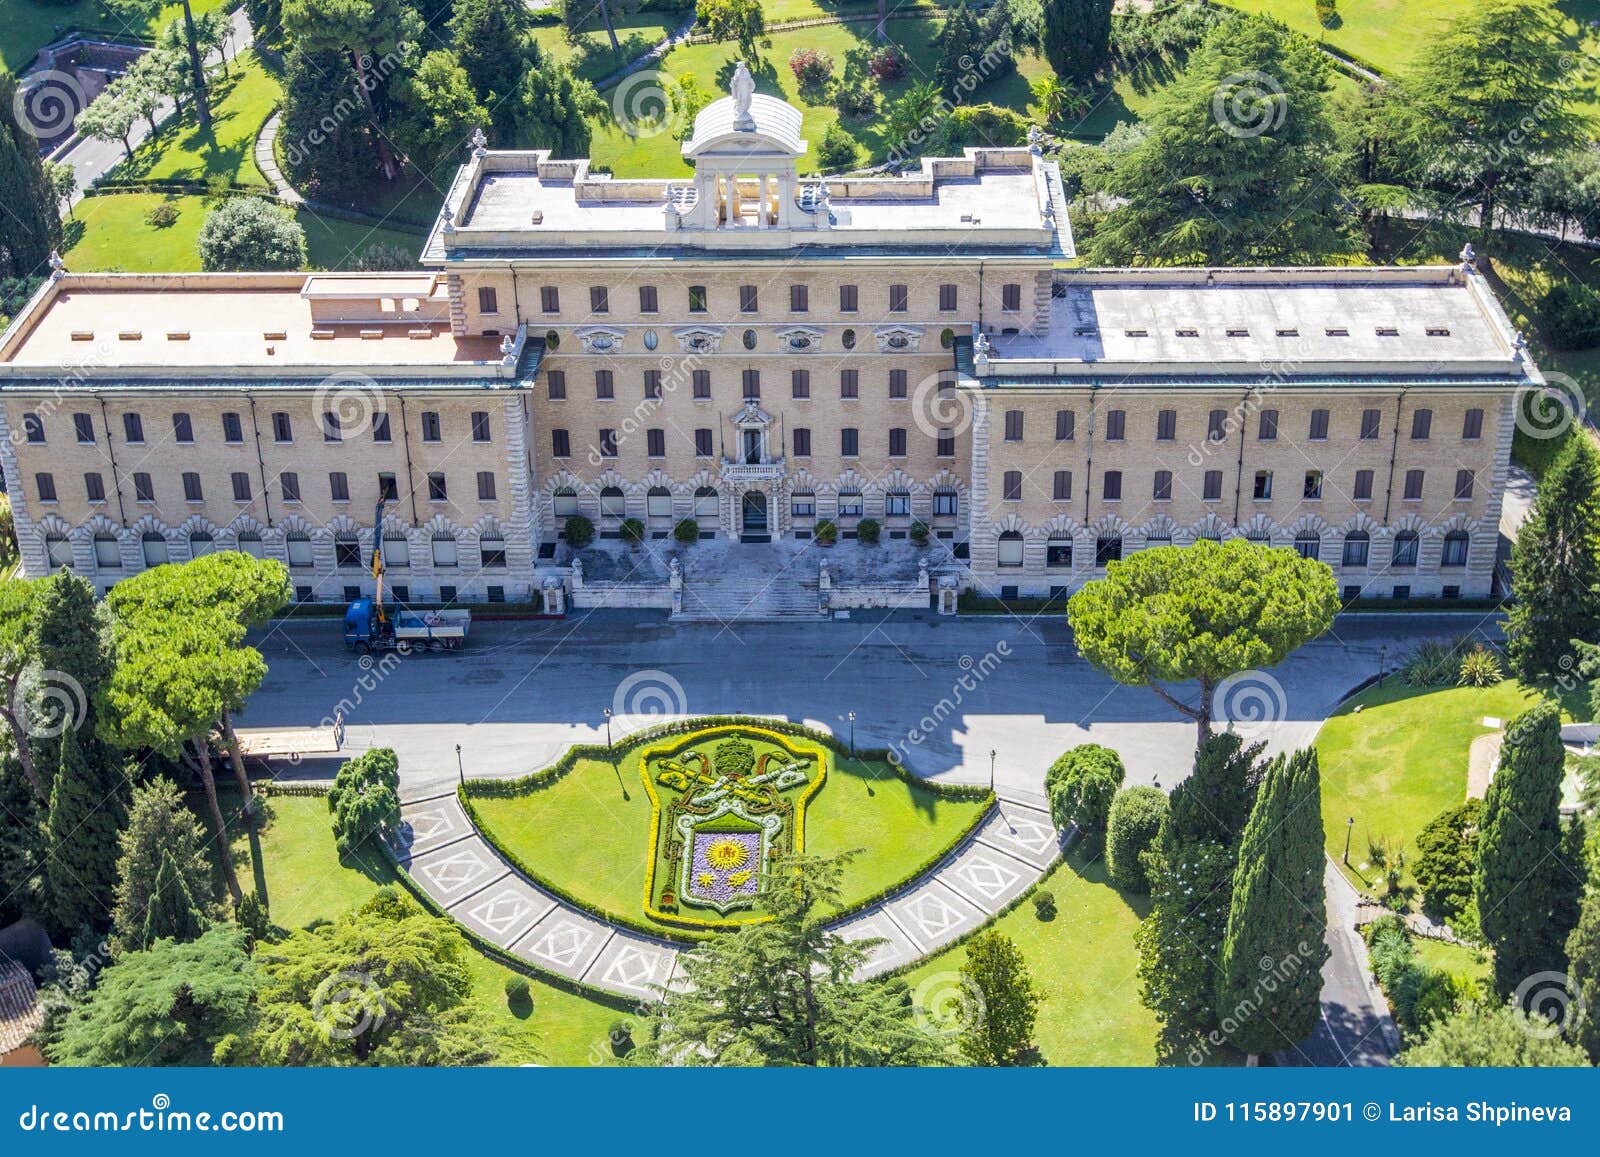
point(749, 339)
point(650, 339)
point(849, 339)
point(552, 341)
point(946, 339)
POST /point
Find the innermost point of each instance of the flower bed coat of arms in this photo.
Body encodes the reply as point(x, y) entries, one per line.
point(724, 803)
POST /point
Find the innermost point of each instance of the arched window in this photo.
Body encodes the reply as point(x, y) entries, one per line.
point(658, 503)
point(445, 553)
point(347, 550)
point(155, 548)
point(1308, 543)
point(201, 542)
point(250, 544)
point(566, 502)
point(396, 550)
point(298, 545)
point(1010, 548)
point(1406, 544)
point(57, 551)
point(1356, 544)
point(107, 551)
point(1058, 553)
point(705, 504)
point(613, 503)
point(1456, 543)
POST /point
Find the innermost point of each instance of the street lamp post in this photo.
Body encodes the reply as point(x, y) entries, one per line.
point(608, 729)
point(991, 771)
point(1350, 826)
point(852, 735)
point(460, 771)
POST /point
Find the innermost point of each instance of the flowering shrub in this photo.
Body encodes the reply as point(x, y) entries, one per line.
point(811, 66)
point(887, 63)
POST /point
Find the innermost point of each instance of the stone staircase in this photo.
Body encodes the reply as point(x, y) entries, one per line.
point(738, 595)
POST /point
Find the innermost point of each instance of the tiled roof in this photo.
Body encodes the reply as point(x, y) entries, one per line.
point(20, 1014)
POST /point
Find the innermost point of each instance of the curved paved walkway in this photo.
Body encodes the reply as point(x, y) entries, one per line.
point(449, 859)
point(267, 162)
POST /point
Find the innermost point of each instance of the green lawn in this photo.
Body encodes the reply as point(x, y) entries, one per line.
point(1085, 966)
point(592, 58)
point(590, 842)
point(1399, 762)
point(183, 151)
point(1386, 33)
point(293, 864)
point(28, 25)
point(1456, 958)
point(110, 233)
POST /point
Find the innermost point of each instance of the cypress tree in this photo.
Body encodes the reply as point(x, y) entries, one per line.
point(959, 39)
point(1555, 567)
point(30, 227)
point(1583, 954)
point(75, 663)
point(1077, 38)
point(1214, 802)
point(173, 913)
point(327, 123)
point(1269, 984)
point(1525, 882)
point(86, 815)
point(21, 845)
point(491, 39)
point(164, 887)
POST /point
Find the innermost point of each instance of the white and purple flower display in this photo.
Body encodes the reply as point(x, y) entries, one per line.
point(724, 867)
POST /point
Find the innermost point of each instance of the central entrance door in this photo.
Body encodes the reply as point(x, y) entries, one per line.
point(752, 447)
point(755, 512)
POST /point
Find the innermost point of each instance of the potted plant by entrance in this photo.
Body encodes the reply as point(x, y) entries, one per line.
point(687, 531)
point(867, 531)
point(632, 531)
point(579, 531)
point(826, 533)
point(919, 533)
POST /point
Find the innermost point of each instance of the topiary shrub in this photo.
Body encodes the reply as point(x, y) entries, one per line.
point(1081, 785)
point(868, 530)
point(839, 150)
point(517, 990)
point(578, 531)
point(621, 1036)
point(888, 63)
point(632, 531)
point(1044, 904)
point(1447, 857)
point(919, 533)
point(1135, 818)
point(687, 531)
point(826, 532)
point(1570, 314)
point(811, 67)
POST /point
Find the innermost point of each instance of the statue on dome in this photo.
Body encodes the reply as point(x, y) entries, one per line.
point(742, 88)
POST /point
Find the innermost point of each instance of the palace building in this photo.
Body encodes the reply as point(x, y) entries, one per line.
point(762, 352)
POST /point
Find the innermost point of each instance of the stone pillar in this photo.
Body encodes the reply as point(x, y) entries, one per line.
point(947, 594)
point(675, 583)
point(824, 588)
point(577, 578)
point(554, 597)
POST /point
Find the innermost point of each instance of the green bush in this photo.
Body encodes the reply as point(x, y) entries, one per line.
point(919, 533)
point(1081, 785)
point(1480, 667)
point(1436, 662)
point(621, 1036)
point(162, 216)
point(1570, 313)
point(687, 531)
point(578, 531)
point(855, 99)
point(839, 150)
point(981, 125)
point(1326, 12)
point(517, 990)
point(1447, 856)
point(869, 531)
point(1044, 904)
point(364, 800)
point(632, 531)
point(1131, 828)
point(826, 532)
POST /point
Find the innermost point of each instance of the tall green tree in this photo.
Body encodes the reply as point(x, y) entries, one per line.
point(146, 10)
point(1490, 1036)
point(1203, 612)
point(1180, 943)
point(1269, 982)
point(1077, 38)
point(1003, 1033)
point(959, 41)
point(1583, 966)
point(551, 108)
point(739, 20)
point(19, 599)
point(1555, 568)
point(71, 645)
point(491, 39)
point(87, 809)
point(1215, 801)
point(1487, 105)
point(782, 992)
point(163, 877)
point(1240, 165)
point(22, 846)
point(326, 156)
point(365, 799)
point(1525, 882)
point(440, 112)
point(30, 227)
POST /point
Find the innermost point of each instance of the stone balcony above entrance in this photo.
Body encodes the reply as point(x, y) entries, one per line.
point(769, 471)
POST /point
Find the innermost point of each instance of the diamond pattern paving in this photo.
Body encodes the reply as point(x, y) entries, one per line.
point(457, 871)
point(429, 825)
point(633, 965)
point(897, 949)
point(565, 941)
point(503, 913)
point(986, 876)
point(932, 915)
point(1023, 832)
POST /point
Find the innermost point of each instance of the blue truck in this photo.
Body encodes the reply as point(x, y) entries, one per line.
point(368, 626)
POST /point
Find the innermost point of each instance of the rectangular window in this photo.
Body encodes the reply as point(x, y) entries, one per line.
point(945, 444)
point(897, 442)
point(1263, 486)
point(144, 487)
point(604, 386)
point(1062, 489)
point(1013, 425)
point(652, 385)
point(485, 485)
point(898, 299)
point(133, 429)
point(849, 442)
point(1217, 426)
point(702, 442)
point(1313, 486)
point(849, 383)
point(802, 442)
point(432, 429)
point(848, 299)
point(599, 299)
point(1421, 425)
point(897, 504)
point(1113, 486)
point(339, 486)
point(33, 427)
point(1167, 426)
point(1355, 550)
point(697, 299)
point(800, 383)
point(1011, 297)
point(1413, 490)
point(1116, 425)
point(1107, 549)
point(389, 491)
point(799, 299)
point(1268, 429)
point(83, 427)
point(557, 381)
point(94, 487)
point(480, 426)
point(331, 431)
point(45, 486)
point(655, 443)
point(702, 384)
point(1058, 554)
point(1456, 544)
point(1363, 487)
point(647, 299)
point(1162, 491)
point(488, 300)
point(1012, 486)
point(946, 503)
point(1066, 425)
point(897, 383)
point(1213, 486)
point(750, 381)
point(748, 301)
point(232, 429)
point(437, 490)
point(241, 486)
point(850, 504)
point(1472, 425)
point(191, 487)
point(803, 506)
point(560, 444)
point(947, 298)
point(289, 483)
point(1371, 420)
point(1464, 483)
point(608, 443)
point(1319, 425)
point(549, 299)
